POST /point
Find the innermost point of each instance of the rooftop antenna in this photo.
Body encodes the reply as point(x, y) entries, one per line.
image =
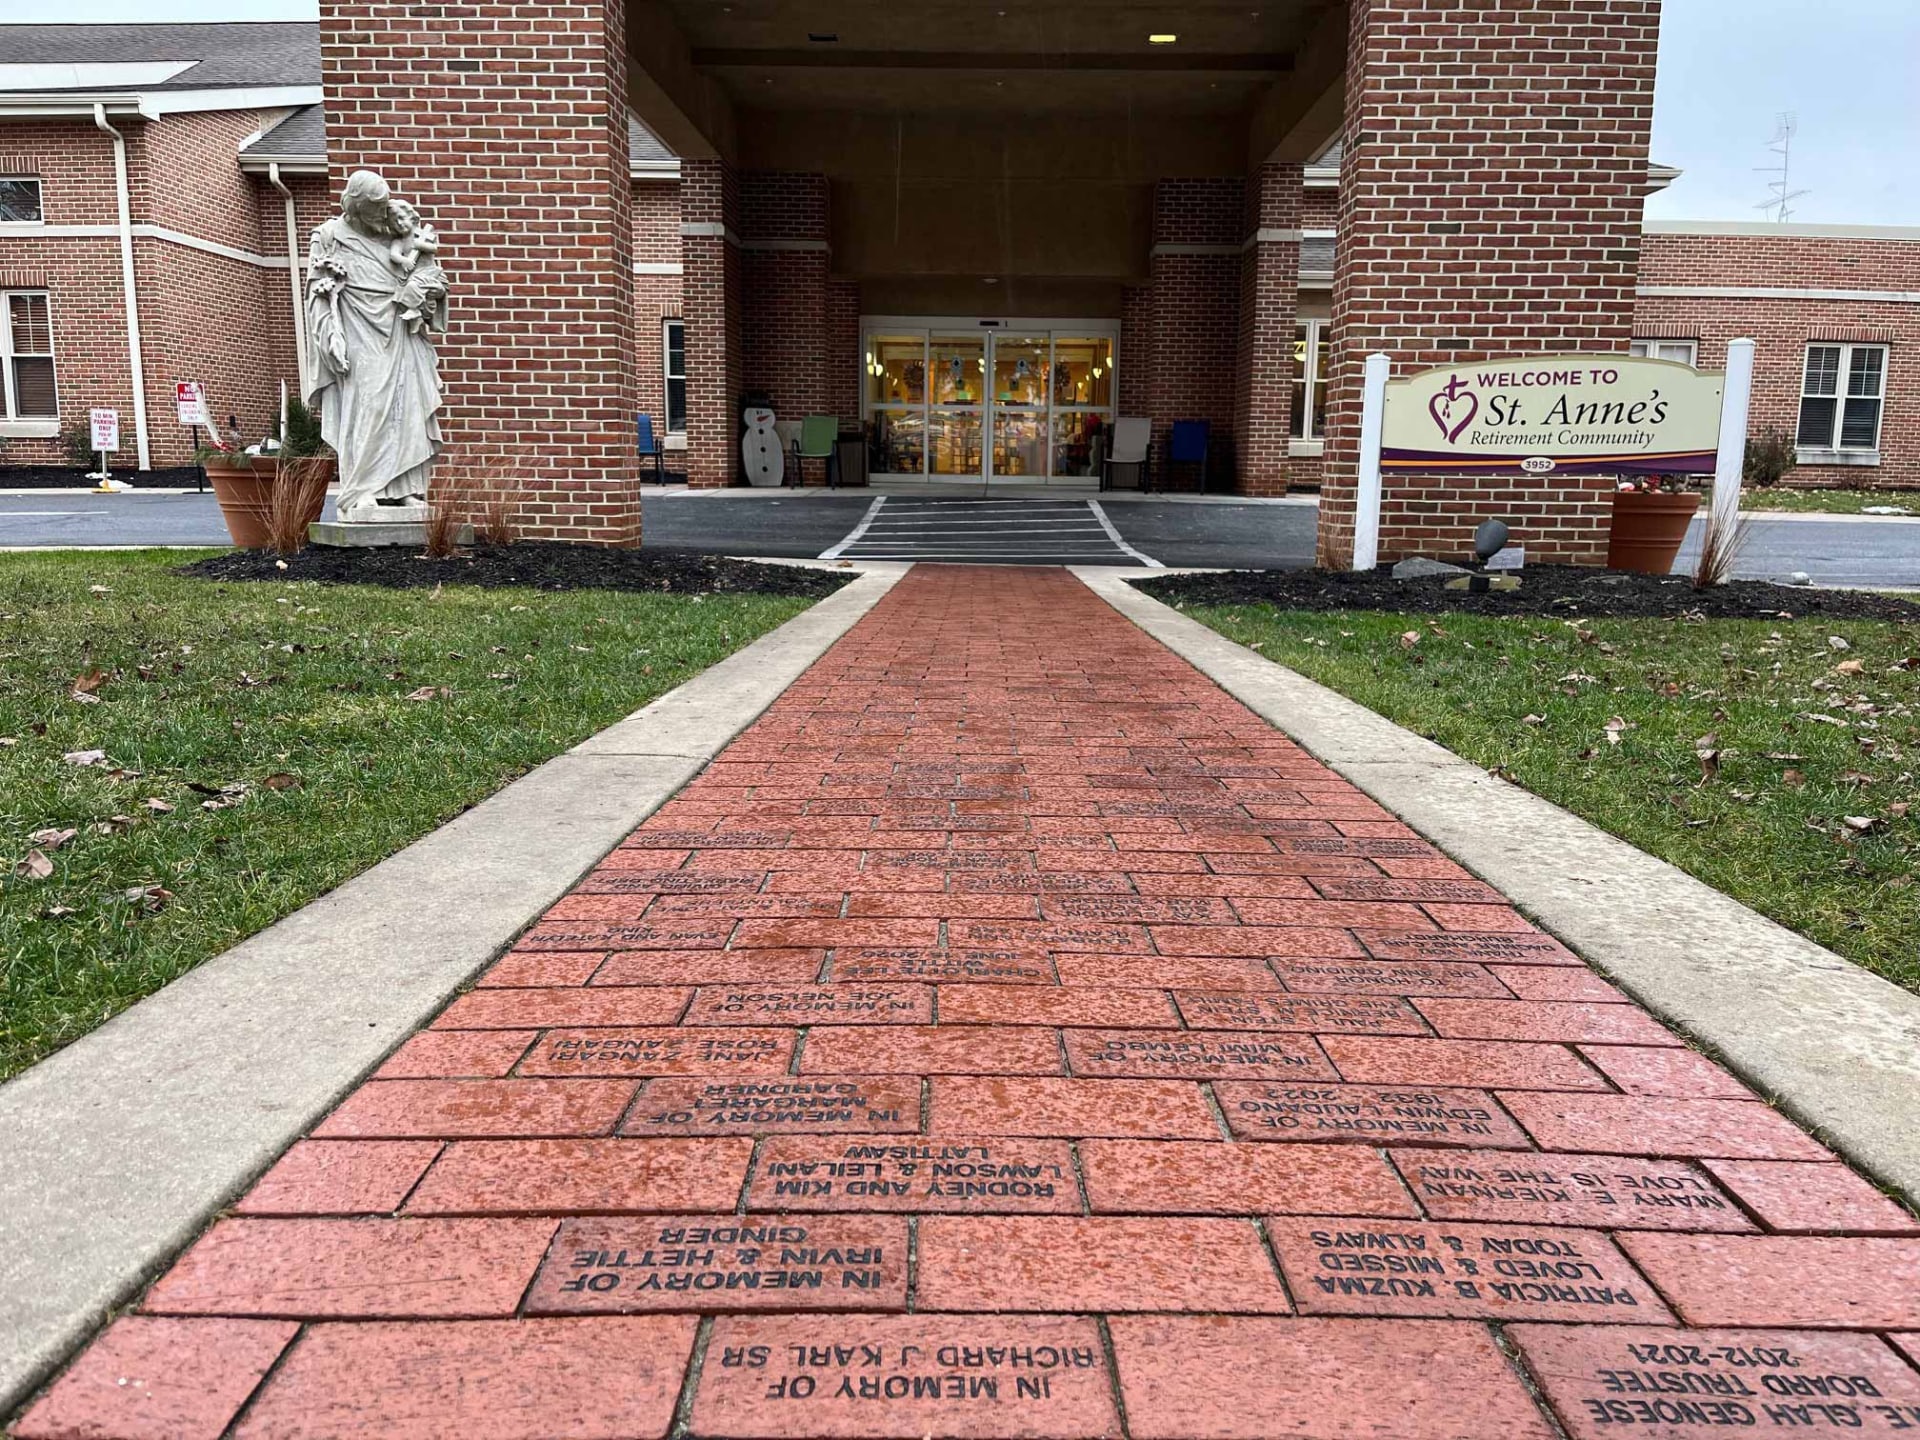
point(1779, 201)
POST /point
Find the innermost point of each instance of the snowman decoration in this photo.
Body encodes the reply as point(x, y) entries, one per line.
point(760, 451)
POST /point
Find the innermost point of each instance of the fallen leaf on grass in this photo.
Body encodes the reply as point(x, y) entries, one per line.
point(1835, 642)
point(148, 897)
point(1409, 639)
point(1860, 824)
point(86, 686)
point(85, 757)
point(57, 912)
point(430, 692)
point(34, 866)
point(159, 807)
point(8, 741)
point(282, 781)
point(1848, 667)
point(1533, 719)
point(1898, 809)
point(1709, 764)
point(1793, 779)
point(51, 839)
point(1614, 727)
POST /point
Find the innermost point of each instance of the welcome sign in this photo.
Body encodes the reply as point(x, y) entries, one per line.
point(1547, 413)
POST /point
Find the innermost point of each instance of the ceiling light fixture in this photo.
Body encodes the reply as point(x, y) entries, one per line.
point(1161, 39)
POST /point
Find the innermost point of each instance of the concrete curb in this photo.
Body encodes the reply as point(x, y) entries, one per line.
point(1834, 1046)
point(119, 1148)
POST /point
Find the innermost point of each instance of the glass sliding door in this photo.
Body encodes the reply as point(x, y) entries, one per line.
point(1021, 403)
point(896, 391)
point(957, 406)
point(1082, 404)
point(1020, 407)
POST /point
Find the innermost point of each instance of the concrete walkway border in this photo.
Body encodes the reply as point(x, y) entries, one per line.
point(119, 1148)
point(1832, 1045)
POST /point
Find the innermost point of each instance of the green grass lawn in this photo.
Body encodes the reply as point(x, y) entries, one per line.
point(265, 742)
point(1826, 502)
point(1764, 817)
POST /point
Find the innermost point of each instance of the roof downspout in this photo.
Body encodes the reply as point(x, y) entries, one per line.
point(131, 299)
point(293, 276)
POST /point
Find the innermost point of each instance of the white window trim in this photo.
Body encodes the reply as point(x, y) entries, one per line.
point(1307, 442)
point(667, 376)
point(1645, 346)
point(13, 425)
point(18, 227)
point(1836, 453)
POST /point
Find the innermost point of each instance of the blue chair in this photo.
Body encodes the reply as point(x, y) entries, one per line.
point(1188, 445)
point(651, 448)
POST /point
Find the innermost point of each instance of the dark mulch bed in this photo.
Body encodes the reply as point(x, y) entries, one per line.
point(66, 477)
point(530, 565)
point(1544, 590)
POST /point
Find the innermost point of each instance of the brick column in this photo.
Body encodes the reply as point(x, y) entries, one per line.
point(1490, 205)
point(1198, 228)
point(505, 124)
point(1269, 292)
point(711, 288)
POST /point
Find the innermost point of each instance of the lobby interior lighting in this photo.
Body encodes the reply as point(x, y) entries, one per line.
point(1162, 39)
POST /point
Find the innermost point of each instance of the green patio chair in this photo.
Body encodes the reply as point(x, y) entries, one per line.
point(819, 435)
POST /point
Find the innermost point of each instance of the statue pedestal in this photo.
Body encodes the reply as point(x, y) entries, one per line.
point(348, 534)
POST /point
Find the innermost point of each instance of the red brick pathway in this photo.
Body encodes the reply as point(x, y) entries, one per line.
point(1010, 1034)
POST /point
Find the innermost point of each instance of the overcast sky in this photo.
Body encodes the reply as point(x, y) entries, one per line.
point(1847, 69)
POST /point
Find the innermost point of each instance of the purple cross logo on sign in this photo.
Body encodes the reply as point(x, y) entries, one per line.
point(1453, 408)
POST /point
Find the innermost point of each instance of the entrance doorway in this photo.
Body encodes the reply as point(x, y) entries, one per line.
point(978, 401)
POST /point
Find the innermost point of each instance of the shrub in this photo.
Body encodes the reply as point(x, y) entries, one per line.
point(1769, 456)
point(303, 432)
point(78, 440)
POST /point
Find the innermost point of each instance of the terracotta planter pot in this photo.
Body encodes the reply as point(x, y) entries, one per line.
point(1648, 530)
point(246, 499)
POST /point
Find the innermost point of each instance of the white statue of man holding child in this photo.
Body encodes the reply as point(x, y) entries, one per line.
point(376, 296)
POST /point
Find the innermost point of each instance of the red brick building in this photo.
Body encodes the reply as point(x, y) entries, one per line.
point(983, 236)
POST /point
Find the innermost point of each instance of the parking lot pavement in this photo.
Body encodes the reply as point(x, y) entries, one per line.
point(1875, 552)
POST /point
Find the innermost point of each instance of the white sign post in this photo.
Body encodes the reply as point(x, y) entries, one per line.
point(106, 438)
point(1730, 461)
point(1366, 498)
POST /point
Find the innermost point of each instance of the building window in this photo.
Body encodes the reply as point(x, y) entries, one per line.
point(1840, 395)
point(1685, 351)
point(26, 349)
point(20, 201)
point(1311, 373)
point(675, 334)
